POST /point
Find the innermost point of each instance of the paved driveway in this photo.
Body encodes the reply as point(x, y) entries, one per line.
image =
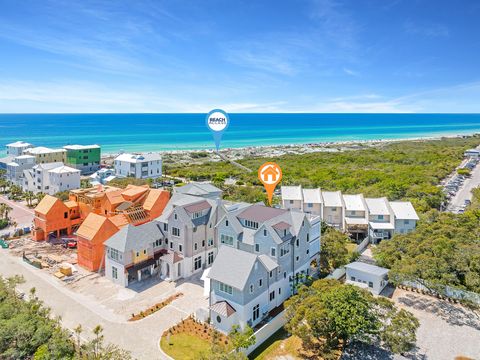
point(21, 214)
point(141, 338)
point(446, 330)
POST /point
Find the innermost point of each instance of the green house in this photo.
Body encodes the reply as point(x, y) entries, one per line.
point(85, 158)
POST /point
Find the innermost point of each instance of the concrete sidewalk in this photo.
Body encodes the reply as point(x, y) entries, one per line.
point(141, 338)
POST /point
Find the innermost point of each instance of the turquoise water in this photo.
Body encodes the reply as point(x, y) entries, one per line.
point(156, 132)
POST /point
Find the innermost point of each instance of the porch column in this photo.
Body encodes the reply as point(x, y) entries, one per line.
point(139, 273)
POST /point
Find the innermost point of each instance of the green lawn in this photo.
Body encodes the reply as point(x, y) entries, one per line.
point(279, 344)
point(184, 346)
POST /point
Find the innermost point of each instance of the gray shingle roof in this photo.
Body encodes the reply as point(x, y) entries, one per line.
point(232, 266)
point(131, 238)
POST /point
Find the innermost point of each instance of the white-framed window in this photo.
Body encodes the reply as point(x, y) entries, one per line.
point(284, 249)
point(210, 258)
point(210, 242)
point(196, 215)
point(175, 216)
point(251, 224)
point(260, 282)
point(195, 246)
point(257, 247)
point(264, 232)
point(380, 217)
point(226, 222)
point(197, 263)
point(273, 252)
point(256, 312)
point(272, 295)
point(251, 288)
point(175, 231)
point(291, 202)
point(406, 222)
point(114, 272)
point(227, 289)
point(180, 247)
point(115, 254)
point(227, 240)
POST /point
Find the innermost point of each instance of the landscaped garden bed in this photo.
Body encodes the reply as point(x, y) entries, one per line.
point(154, 308)
point(189, 339)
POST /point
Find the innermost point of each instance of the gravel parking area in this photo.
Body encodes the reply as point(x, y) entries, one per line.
point(446, 330)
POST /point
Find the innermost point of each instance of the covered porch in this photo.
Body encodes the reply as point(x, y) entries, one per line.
point(379, 231)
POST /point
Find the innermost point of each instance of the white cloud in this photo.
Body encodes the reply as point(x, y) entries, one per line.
point(426, 29)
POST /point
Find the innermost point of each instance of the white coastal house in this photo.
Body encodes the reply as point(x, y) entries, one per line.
point(144, 166)
point(51, 178)
point(366, 276)
point(17, 148)
point(16, 168)
point(102, 176)
point(375, 218)
point(405, 216)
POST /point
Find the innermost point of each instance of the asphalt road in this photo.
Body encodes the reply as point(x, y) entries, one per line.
point(21, 214)
point(465, 192)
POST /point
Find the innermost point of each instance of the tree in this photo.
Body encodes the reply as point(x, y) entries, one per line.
point(39, 196)
point(399, 335)
point(29, 196)
point(241, 339)
point(333, 252)
point(329, 314)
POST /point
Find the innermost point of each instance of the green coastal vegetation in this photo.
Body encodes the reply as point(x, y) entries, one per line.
point(444, 250)
point(29, 331)
point(408, 170)
point(328, 315)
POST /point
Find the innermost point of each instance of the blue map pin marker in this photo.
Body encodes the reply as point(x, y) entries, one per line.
point(217, 121)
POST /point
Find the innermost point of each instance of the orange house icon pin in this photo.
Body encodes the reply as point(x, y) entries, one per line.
point(270, 174)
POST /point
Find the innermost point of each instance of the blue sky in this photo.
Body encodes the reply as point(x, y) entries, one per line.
point(242, 56)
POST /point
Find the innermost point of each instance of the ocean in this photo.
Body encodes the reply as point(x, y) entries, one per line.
point(160, 132)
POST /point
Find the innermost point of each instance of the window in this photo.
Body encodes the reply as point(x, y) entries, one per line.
point(251, 224)
point(284, 249)
point(279, 291)
point(297, 258)
point(210, 258)
point(203, 243)
point(197, 263)
point(257, 247)
point(227, 240)
point(175, 216)
point(251, 288)
point(310, 205)
point(260, 282)
point(370, 284)
point(138, 254)
point(334, 209)
point(219, 320)
point(114, 272)
point(406, 222)
point(65, 215)
point(284, 233)
point(180, 247)
point(196, 215)
point(291, 202)
point(271, 274)
point(165, 227)
point(380, 217)
point(226, 222)
point(195, 246)
point(272, 252)
point(175, 231)
point(308, 237)
point(171, 245)
point(210, 242)
point(353, 212)
point(256, 312)
point(114, 254)
point(145, 252)
point(264, 232)
point(352, 278)
point(225, 288)
point(272, 296)
point(297, 242)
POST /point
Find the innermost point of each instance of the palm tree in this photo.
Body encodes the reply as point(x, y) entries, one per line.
point(29, 196)
point(6, 210)
point(39, 197)
point(2, 210)
point(3, 184)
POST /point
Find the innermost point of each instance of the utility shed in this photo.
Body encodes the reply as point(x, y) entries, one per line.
point(371, 277)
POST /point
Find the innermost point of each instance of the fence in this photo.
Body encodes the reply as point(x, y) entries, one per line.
point(448, 292)
point(262, 334)
point(363, 245)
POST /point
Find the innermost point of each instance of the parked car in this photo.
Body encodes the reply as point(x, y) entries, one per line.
point(69, 243)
